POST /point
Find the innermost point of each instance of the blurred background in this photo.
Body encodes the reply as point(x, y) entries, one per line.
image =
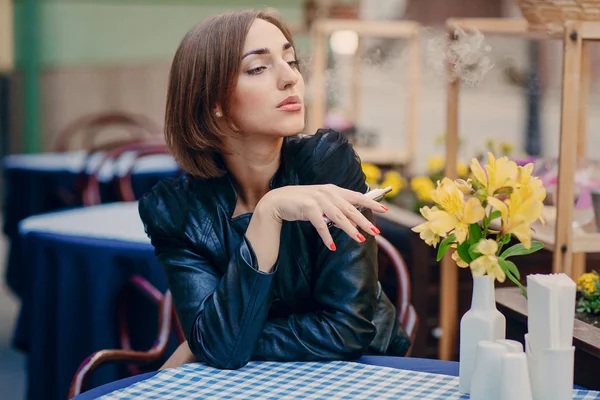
point(83, 77)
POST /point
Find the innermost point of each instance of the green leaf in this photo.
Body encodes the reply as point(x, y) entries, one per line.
point(463, 251)
point(472, 252)
point(520, 250)
point(474, 233)
point(495, 214)
point(512, 268)
point(504, 264)
point(445, 245)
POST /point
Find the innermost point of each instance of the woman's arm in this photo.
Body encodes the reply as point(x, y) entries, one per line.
point(345, 292)
point(222, 315)
point(345, 288)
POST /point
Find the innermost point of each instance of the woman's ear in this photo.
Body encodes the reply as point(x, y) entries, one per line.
point(218, 111)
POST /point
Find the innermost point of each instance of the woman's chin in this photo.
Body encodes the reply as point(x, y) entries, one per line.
point(291, 128)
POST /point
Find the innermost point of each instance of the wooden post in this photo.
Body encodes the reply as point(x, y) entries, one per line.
point(572, 54)
point(317, 81)
point(449, 270)
point(356, 81)
point(583, 102)
point(414, 86)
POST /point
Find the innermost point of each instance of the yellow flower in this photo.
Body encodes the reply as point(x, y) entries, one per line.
point(425, 229)
point(372, 173)
point(464, 186)
point(422, 186)
point(459, 261)
point(497, 173)
point(462, 169)
point(487, 263)
point(506, 148)
point(456, 214)
point(435, 164)
point(518, 212)
point(524, 179)
point(395, 180)
point(587, 282)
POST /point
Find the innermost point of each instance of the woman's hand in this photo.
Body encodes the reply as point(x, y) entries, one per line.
point(312, 203)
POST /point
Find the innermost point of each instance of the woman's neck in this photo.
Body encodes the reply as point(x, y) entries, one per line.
point(253, 165)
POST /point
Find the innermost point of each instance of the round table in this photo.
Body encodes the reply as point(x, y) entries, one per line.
point(406, 363)
point(77, 263)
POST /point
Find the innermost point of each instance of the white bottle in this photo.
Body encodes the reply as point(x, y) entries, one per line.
point(482, 322)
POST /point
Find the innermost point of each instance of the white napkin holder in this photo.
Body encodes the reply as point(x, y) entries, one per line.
point(551, 372)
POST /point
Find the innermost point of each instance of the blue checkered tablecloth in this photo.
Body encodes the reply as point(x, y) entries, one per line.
point(302, 380)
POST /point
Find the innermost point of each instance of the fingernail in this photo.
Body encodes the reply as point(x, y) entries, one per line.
point(375, 230)
point(332, 247)
point(360, 237)
point(384, 207)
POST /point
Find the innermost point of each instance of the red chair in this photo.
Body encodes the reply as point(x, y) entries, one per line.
point(165, 322)
point(390, 257)
point(90, 126)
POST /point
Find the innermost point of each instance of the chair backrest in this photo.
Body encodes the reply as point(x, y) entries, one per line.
point(90, 126)
point(90, 191)
point(165, 321)
point(395, 280)
point(124, 181)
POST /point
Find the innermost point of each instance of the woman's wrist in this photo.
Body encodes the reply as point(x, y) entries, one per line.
point(263, 234)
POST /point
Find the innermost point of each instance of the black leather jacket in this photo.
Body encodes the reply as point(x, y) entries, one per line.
point(315, 305)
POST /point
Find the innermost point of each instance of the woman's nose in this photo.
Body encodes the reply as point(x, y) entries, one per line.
point(287, 77)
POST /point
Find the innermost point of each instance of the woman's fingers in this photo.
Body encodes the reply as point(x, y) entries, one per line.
point(339, 218)
point(356, 216)
point(359, 199)
point(315, 216)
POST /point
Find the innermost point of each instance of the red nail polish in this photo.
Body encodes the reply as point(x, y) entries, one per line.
point(360, 237)
point(332, 247)
point(375, 230)
point(384, 207)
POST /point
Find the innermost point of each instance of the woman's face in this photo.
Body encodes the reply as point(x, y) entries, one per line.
point(269, 97)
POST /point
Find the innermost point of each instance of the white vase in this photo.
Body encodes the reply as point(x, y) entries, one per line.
point(483, 321)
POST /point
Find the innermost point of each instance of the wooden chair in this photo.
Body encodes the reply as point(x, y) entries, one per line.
point(400, 285)
point(165, 323)
point(90, 128)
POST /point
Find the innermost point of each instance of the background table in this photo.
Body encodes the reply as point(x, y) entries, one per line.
point(77, 263)
point(34, 182)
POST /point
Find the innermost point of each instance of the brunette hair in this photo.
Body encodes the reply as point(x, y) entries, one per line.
point(203, 74)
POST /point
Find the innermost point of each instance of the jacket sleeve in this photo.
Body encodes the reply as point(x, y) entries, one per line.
point(345, 286)
point(222, 315)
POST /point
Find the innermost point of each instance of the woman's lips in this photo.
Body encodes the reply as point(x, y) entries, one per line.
point(290, 107)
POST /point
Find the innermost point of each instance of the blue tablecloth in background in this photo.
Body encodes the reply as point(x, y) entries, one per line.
point(33, 183)
point(411, 364)
point(77, 263)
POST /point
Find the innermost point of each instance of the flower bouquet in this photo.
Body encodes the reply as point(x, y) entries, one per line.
point(478, 217)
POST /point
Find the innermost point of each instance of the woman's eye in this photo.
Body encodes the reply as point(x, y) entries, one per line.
point(255, 71)
point(293, 64)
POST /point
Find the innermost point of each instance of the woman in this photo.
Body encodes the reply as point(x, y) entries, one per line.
point(254, 270)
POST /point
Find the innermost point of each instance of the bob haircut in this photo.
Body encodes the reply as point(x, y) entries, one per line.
point(204, 73)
